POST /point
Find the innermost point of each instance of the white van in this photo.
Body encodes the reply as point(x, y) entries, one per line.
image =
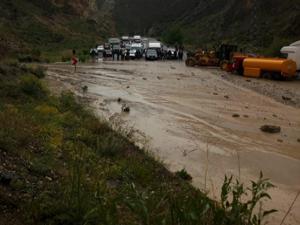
point(293, 52)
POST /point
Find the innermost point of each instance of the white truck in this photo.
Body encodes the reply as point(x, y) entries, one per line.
point(293, 52)
point(137, 38)
point(155, 45)
point(136, 50)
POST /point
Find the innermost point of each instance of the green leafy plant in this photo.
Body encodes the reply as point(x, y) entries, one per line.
point(238, 210)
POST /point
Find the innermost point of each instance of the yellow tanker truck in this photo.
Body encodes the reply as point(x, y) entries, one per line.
point(270, 68)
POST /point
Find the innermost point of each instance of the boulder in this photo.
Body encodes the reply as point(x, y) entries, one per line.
point(270, 129)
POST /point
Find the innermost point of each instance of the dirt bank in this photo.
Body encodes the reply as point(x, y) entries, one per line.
point(286, 92)
point(200, 120)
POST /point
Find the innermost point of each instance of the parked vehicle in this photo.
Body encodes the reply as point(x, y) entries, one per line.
point(292, 52)
point(136, 51)
point(137, 39)
point(171, 53)
point(107, 50)
point(116, 47)
point(218, 57)
point(156, 45)
point(269, 68)
point(93, 52)
point(100, 48)
point(125, 40)
point(151, 54)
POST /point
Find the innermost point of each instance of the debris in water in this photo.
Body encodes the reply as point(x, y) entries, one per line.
point(274, 115)
point(271, 129)
point(144, 78)
point(249, 80)
point(235, 115)
point(226, 96)
point(246, 116)
point(158, 77)
point(173, 68)
point(125, 108)
point(280, 140)
point(119, 100)
point(215, 93)
point(128, 87)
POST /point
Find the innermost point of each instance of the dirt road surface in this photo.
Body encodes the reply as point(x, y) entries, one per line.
point(202, 120)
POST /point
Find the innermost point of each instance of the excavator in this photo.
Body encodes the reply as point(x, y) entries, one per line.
point(219, 57)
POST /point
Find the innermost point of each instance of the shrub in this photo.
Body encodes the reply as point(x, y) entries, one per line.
point(32, 86)
point(183, 174)
point(38, 71)
point(110, 145)
point(67, 102)
point(15, 130)
point(25, 58)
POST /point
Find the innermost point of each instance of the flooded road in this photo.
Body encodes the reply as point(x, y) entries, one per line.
point(201, 120)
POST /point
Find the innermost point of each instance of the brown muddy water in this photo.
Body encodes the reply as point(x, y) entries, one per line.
point(185, 117)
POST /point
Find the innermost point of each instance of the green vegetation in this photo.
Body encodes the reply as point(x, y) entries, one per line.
point(183, 174)
point(54, 29)
point(173, 36)
point(66, 167)
point(50, 29)
point(260, 26)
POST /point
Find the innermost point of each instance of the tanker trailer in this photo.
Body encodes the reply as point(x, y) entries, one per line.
point(269, 68)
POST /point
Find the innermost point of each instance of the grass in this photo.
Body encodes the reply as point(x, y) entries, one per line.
point(70, 168)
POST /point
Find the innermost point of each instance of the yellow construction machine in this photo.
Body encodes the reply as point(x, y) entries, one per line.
point(218, 57)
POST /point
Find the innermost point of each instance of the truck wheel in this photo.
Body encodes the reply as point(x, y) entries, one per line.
point(190, 62)
point(276, 76)
point(267, 75)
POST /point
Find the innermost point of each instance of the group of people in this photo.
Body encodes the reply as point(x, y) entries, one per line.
point(177, 54)
point(124, 53)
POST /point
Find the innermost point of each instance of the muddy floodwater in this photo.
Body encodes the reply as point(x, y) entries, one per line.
point(200, 119)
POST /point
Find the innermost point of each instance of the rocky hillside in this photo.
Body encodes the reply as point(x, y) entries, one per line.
point(264, 24)
point(54, 24)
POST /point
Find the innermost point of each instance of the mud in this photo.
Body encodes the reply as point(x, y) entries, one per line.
point(185, 116)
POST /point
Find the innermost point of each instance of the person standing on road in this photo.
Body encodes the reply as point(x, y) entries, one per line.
point(74, 60)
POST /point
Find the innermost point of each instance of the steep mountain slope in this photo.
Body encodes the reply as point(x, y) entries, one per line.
point(62, 24)
point(52, 24)
point(260, 23)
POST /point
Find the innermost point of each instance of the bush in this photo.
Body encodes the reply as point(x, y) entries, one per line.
point(38, 71)
point(32, 86)
point(110, 145)
point(67, 102)
point(15, 130)
point(183, 174)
